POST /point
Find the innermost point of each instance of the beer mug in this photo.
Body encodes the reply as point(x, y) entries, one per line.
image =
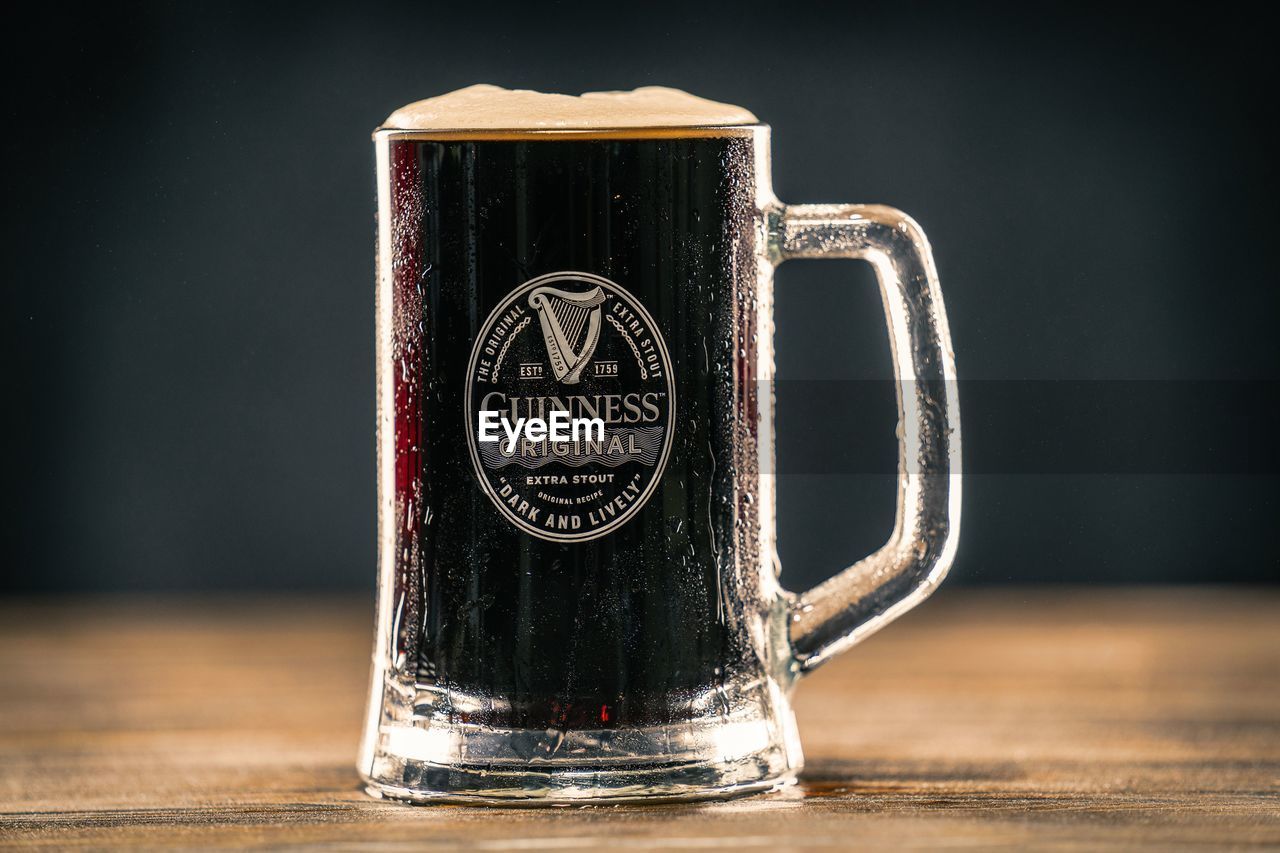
point(587, 608)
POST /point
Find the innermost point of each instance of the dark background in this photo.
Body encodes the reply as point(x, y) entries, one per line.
point(189, 227)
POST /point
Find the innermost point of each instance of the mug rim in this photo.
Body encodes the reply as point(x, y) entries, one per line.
point(689, 131)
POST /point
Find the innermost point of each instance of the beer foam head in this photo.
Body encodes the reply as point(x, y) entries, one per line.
point(484, 107)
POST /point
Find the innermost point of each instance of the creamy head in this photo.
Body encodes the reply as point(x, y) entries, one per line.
point(484, 107)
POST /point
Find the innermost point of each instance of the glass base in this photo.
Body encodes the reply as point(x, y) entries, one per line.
point(568, 789)
point(717, 757)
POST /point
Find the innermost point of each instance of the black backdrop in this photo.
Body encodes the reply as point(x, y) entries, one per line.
point(189, 253)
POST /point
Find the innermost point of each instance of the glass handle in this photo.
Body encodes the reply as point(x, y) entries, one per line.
point(863, 598)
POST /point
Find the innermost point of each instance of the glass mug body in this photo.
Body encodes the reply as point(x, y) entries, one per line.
point(570, 621)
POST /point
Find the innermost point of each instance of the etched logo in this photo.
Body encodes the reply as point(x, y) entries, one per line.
point(569, 430)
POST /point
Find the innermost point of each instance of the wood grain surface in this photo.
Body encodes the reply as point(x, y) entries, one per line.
point(1056, 718)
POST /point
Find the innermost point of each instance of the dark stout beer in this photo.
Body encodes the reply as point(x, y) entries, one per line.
point(584, 586)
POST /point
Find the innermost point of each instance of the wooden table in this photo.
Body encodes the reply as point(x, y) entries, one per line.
point(1050, 717)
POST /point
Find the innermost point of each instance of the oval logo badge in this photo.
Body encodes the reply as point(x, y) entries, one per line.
point(570, 404)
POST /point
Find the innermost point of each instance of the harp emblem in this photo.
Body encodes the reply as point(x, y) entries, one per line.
point(570, 328)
